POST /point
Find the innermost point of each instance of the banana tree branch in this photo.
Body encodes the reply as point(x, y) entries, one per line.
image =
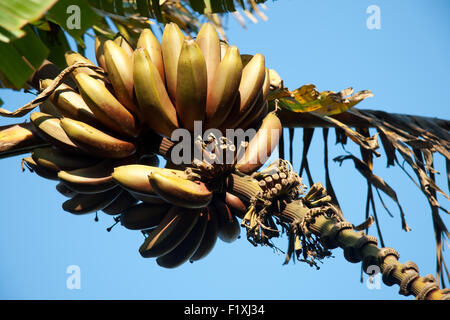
point(357, 245)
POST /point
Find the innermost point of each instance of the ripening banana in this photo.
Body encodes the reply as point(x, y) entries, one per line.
point(171, 43)
point(49, 128)
point(229, 227)
point(96, 142)
point(69, 103)
point(148, 41)
point(56, 160)
point(123, 43)
point(73, 57)
point(262, 144)
point(144, 215)
point(182, 252)
point(226, 84)
point(173, 229)
point(180, 191)
point(107, 109)
point(250, 87)
point(209, 238)
point(120, 73)
point(192, 81)
point(39, 169)
point(155, 107)
point(94, 179)
point(88, 203)
point(209, 43)
point(123, 201)
point(100, 51)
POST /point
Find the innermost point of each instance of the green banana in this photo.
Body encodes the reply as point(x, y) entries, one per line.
point(94, 179)
point(155, 107)
point(88, 203)
point(192, 81)
point(173, 229)
point(69, 103)
point(106, 108)
point(179, 190)
point(120, 73)
point(181, 253)
point(96, 142)
point(56, 160)
point(209, 238)
point(123, 201)
point(171, 43)
point(49, 128)
point(208, 41)
point(144, 216)
point(262, 144)
point(148, 41)
point(225, 88)
point(229, 227)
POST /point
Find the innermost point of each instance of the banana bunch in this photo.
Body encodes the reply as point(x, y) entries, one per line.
point(101, 128)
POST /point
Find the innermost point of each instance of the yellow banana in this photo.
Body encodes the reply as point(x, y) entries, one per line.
point(123, 201)
point(181, 253)
point(155, 107)
point(208, 41)
point(73, 57)
point(69, 103)
point(144, 216)
point(120, 73)
point(56, 160)
point(180, 191)
point(148, 41)
point(192, 81)
point(124, 45)
point(262, 144)
point(94, 179)
point(96, 142)
point(88, 203)
point(173, 229)
point(171, 43)
point(229, 228)
point(209, 238)
point(107, 109)
point(39, 169)
point(49, 128)
point(250, 87)
point(225, 88)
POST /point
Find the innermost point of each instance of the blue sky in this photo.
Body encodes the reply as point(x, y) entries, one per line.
point(326, 43)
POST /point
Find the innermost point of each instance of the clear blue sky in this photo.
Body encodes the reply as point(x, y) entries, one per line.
point(327, 43)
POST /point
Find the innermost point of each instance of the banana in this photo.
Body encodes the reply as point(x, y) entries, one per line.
point(148, 41)
point(155, 107)
point(56, 160)
point(192, 81)
point(120, 73)
point(94, 179)
point(123, 201)
point(171, 43)
point(49, 128)
point(38, 169)
point(208, 41)
point(236, 205)
point(179, 190)
point(88, 203)
point(226, 84)
point(209, 238)
point(181, 253)
point(95, 141)
point(144, 216)
point(124, 45)
point(61, 188)
point(250, 87)
point(172, 230)
point(73, 57)
point(69, 103)
point(229, 228)
point(106, 108)
point(99, 51)
point(262, 144)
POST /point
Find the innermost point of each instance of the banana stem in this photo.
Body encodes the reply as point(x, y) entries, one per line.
point(357, 246)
